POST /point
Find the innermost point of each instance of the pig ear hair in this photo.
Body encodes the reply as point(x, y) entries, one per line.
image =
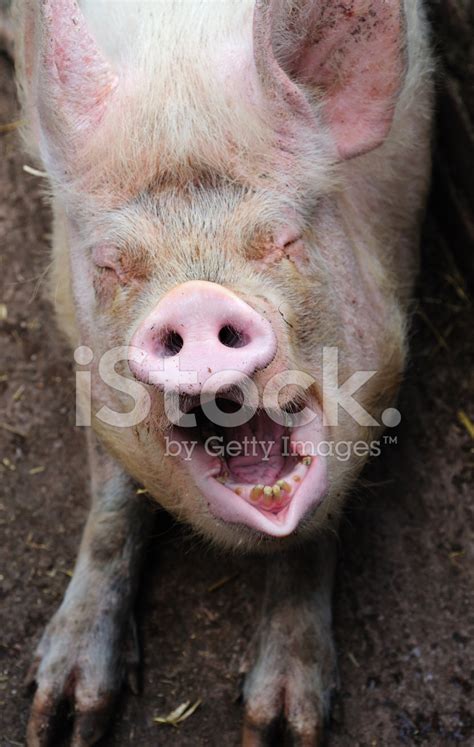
point(350, 55)
point(69, 80)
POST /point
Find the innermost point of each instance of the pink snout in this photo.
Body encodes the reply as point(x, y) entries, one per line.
point(197, 331)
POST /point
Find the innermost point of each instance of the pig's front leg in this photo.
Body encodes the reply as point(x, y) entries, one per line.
point(90, 644)
point(295, 668)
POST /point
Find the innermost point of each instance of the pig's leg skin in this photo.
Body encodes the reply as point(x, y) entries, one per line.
point(90, 646)
point(295, 670)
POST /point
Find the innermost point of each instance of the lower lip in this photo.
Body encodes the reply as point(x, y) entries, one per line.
point(228, 506)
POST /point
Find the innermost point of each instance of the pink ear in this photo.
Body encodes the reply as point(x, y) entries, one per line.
point(349, 53)
point(71, 81)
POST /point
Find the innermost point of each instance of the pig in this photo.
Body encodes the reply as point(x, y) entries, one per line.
point(237, 192)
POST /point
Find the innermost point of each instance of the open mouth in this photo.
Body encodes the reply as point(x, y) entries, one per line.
point(260, 473)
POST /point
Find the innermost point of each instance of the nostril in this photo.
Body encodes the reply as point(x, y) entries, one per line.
point(232, 337)
point(171, 343)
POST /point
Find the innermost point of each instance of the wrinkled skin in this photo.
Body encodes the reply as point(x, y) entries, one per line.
point(308, 214)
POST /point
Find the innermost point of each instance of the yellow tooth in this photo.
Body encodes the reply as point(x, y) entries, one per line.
point(221, 479)
point(276, 490)
point(306, 461)
point(297, 478)
point(280, 483)
point(238, 491)
point(286, 487)
point(267, 495)
point(256, 492)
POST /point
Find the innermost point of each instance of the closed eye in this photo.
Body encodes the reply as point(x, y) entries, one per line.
point(107, 258)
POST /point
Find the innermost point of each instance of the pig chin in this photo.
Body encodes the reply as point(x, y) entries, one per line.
point(261, 474)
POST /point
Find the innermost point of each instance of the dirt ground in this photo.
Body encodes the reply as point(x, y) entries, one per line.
point(404, 617)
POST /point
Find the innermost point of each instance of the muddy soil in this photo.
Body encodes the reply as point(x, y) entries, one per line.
point(404, 619)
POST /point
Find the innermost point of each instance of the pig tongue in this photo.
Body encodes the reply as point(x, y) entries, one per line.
point(261, 459)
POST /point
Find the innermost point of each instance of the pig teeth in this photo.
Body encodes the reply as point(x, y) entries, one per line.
point(267, 495)
point(238, 491)
point(297, 478)
point(286, 487)
point(221, 479)
point(276, 491)
point(280, 483)
point(256, 492)
point(307, 461)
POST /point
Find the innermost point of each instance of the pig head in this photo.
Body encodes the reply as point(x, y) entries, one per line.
point(236, 194)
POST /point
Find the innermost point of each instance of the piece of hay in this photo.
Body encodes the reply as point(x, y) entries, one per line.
point(222, 582)
point(19, 393)
point(34, 172)
point(179, 714)
point(11, 126)
point(36, 470)
point(466, 421)
point(13, 429)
